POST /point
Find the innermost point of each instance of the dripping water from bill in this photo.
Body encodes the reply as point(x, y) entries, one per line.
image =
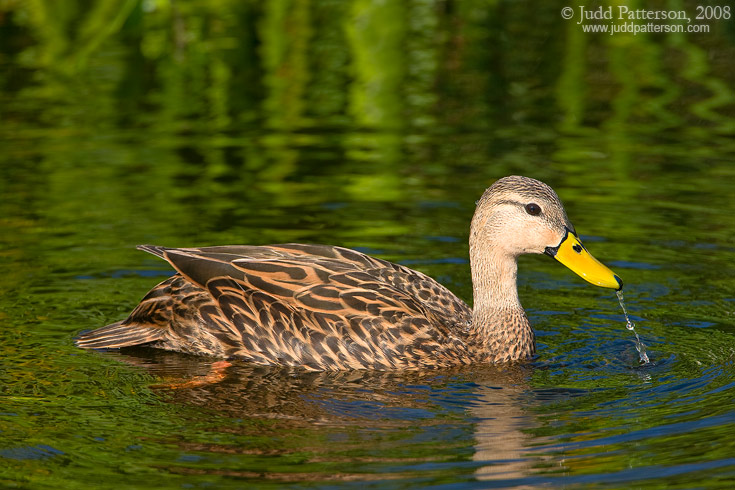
point(640, 346)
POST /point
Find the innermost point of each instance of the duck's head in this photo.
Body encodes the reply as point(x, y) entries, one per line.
point(520, 215)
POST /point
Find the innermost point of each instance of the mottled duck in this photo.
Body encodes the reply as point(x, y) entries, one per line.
point(331, 308)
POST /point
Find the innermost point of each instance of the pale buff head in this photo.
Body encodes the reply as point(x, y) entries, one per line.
point(519, 215)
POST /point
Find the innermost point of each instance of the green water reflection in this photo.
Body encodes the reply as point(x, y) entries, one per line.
point(374, 125)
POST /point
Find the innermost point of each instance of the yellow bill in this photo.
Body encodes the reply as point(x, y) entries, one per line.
point(572, 254)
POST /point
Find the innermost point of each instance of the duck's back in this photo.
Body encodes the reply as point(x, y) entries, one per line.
point(316, 306)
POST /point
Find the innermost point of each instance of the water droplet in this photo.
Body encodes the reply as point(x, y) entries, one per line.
point(640, 346)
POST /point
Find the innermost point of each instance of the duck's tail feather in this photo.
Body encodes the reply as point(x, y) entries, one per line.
point(119, 335)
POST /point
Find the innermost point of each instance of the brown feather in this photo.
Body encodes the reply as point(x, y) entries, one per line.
point(331, 308)
point(316, 306)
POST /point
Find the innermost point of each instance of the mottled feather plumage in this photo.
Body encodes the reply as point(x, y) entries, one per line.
point(331, 308)
point(298, 305)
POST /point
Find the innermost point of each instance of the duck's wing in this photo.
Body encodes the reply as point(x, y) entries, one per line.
point(323, 307)
point(315, 306)
point(323, 260)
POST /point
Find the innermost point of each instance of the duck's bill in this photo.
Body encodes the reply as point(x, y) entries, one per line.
point(572, 254)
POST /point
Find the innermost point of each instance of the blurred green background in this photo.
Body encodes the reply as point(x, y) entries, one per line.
point(235, 116)
point(370, 124)
point(359, 123)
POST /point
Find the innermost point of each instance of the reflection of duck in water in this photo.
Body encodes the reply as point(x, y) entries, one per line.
point(383, 419)
point(244, 390)
point(331, 308)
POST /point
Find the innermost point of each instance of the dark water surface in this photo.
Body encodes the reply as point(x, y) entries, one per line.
point(373, 125)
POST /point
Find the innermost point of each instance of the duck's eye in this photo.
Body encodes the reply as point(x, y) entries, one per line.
point(533, 209)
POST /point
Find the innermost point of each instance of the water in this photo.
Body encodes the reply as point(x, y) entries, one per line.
point(372, 125)
point(640, 347)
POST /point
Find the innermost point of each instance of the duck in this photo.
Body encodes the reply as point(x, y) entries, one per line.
point(329, 308)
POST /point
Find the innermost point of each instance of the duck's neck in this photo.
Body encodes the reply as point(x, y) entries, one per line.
point(499, 325)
